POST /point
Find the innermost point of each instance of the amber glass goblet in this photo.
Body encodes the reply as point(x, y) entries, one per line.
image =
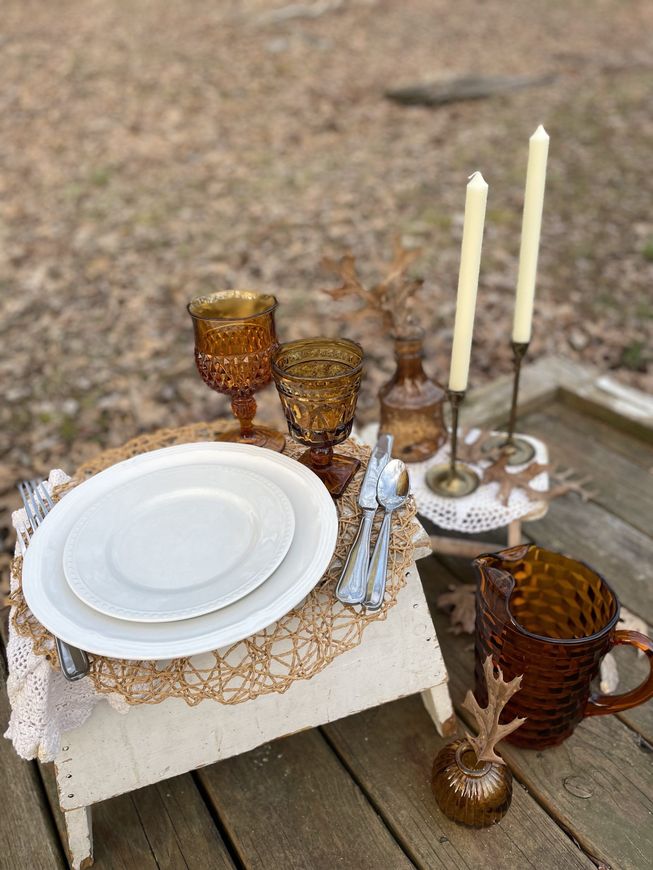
point(234, 339)
point(318, 380)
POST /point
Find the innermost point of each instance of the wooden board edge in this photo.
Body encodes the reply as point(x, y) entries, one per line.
point(584, 387)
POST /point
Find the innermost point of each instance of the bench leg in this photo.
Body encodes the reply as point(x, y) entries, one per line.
point(514, 533)
point(80, 838)
point(438, 705)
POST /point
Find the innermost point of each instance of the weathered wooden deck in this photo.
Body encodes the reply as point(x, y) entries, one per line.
point(356, 794)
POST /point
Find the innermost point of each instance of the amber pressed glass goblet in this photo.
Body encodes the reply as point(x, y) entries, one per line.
point(318, 380)
point(234, 339)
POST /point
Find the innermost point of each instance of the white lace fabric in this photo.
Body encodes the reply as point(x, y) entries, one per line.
point(481, 510)
point(44, 705)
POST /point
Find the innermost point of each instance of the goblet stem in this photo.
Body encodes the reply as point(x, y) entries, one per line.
point(321, 457)
point(334, 470)
point(244, 410)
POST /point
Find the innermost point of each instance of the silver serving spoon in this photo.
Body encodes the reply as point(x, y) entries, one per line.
point(391, 492)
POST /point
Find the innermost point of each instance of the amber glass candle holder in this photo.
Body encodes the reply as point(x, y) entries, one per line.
point(318, 380)
point(234, 339)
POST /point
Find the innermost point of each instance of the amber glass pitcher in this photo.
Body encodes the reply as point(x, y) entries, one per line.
point(552, 619)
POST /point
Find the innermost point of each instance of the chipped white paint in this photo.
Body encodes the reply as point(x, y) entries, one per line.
point(80, 837)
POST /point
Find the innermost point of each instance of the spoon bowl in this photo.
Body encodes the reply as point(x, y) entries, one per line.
point(393, 486)
point(391, 492)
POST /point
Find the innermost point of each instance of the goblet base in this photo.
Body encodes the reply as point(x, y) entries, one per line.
point(259, 436)
point(336, 474)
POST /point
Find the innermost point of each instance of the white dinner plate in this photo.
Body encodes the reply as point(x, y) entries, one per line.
point(178, 542)
point(55, 605)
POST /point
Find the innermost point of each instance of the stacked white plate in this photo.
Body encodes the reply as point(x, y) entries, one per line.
point(180, 551)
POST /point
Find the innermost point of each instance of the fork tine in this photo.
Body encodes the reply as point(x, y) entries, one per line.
point(38, 495)
point(36, 511)
point(47, 498)
point(73, 662)
point(24, 490)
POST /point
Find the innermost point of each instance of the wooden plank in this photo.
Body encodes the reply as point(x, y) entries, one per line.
point(611, 546)
point(179, 827)
point(598, 784)
point(291, 804)
point(622, 486)
point(611, 437)
point(390, 751)
point(163, 825)
point(28, 837)
point(615, 411)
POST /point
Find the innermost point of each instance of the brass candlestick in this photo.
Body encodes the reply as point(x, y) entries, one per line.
point(452, 479)
point(518, 450)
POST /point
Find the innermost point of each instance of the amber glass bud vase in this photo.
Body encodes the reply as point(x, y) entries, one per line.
point(412, 404)
point(470, 792)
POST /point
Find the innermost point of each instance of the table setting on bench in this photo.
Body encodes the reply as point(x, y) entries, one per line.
point(222, 586)
point(201, 564)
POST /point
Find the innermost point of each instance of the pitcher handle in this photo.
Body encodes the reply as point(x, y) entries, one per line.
point(599, 703)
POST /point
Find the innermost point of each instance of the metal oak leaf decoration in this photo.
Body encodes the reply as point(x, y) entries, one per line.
point(390, 299)
point(509, 480)
point(562, 480)
point(474, 452)
point(487, 718)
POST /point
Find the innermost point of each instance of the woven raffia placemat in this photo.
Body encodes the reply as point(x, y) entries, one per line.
point(296, 647)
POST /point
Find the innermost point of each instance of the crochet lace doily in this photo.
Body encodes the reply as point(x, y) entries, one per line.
point(296, 647)
point(482, 510)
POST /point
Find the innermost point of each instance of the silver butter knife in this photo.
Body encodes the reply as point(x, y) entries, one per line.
point(353, 580)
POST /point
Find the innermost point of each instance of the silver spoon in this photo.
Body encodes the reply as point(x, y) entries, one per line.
point(391, 492)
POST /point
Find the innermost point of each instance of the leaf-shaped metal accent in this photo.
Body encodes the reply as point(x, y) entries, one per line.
point(487, 718)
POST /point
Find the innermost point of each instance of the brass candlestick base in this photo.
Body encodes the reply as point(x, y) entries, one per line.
point(452, 484)
point(517, 450)
point(453, 479)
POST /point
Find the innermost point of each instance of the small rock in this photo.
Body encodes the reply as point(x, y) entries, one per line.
point(17, 393)
point(577, 339)
point(70, 407)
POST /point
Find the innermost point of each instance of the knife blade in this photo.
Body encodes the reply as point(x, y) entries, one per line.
point(352, 584)
point(378, 461)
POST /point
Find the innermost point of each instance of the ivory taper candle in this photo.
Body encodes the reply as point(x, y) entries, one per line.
point(470, 264)
point(538, 151)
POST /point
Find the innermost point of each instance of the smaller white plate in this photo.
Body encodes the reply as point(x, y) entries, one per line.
point(178, 542)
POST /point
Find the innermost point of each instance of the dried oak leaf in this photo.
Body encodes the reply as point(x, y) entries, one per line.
point(487, 718)
point(460, 603)
point(389, 299)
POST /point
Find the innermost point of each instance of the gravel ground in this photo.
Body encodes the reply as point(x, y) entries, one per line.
point(152, 150)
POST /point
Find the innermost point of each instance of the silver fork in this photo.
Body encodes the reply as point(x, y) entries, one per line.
point(38, 503)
